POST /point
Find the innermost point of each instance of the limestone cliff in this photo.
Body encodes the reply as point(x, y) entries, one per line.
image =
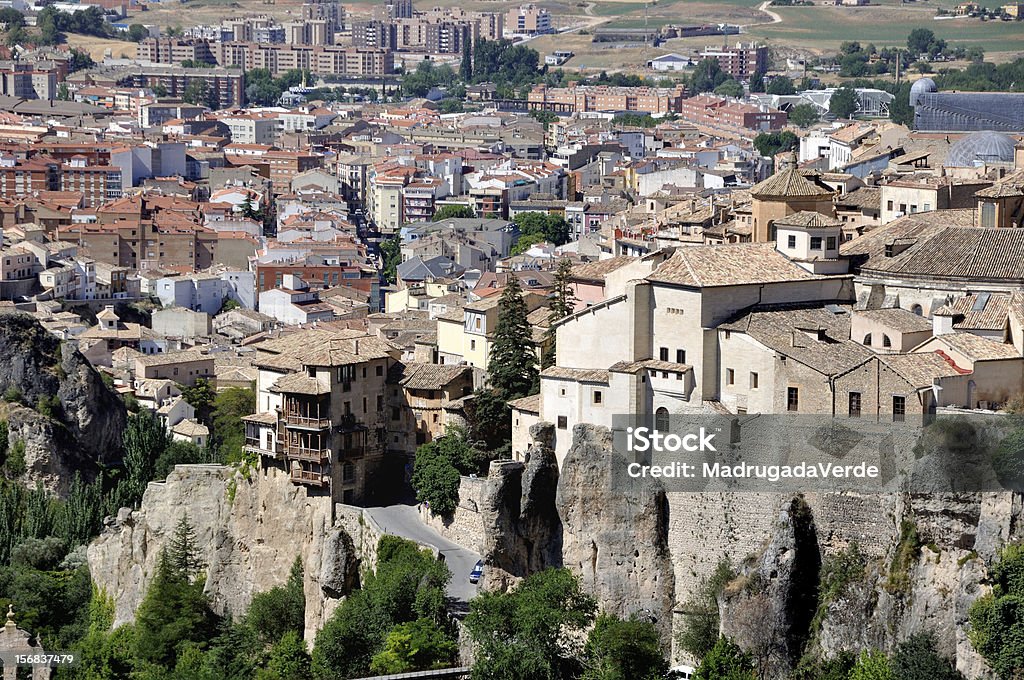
point(250, 540)
point(83, 429)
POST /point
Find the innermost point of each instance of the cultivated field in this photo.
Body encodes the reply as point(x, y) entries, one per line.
point(97, 47)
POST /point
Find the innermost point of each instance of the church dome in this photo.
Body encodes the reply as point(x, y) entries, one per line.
point(980, 148)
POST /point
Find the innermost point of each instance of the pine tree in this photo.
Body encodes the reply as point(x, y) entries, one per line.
point(183, 550)
point(563, 302)
point(512, 368)
point(145, 439)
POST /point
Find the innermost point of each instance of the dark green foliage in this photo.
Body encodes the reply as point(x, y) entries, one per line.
point(907, 551)
point(490, 420)
point(262, 89)
point(14, 464)
point(41, 554)
point(183, 551)
point(4, 440)
point(438, 468)
point(415, 646)
point(200, 397)
point(520, 635)
point(624, 650)
point(922, 40)
point(512, 368)
point(770, 143)
point(288, 659)
point(1008, 461)
point(730, 88)
point(635, 120)
point(997, 619)
point(137, 33)
point(917, 659)
point(409, 584)
point(181, 453)
point(707, 75)
point(50, 407)
point(447, 212)
point(781, 85)
point(562, 304)
point(426, 77)
point(803, 115)
point(391, 253)
point(838, 572)
point(553, 228)
point(700, 634)
point(174, 611)
point(843, 103)
point(280, 610)
point(725, 661)
point(505, 64)
point(145, 439)
point(229, 406)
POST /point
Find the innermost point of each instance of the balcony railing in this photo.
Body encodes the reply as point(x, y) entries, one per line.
point(296, 420)
point(307, 454)
point(308, 477)
point(255, 446)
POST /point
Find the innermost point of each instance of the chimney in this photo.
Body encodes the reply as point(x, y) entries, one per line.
point(942, 321)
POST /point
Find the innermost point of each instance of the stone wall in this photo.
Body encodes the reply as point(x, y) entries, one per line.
point(466, 525)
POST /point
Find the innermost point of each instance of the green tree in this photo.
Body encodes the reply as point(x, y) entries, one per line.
point(843, 102)
point(920, 40)
point(159, 91)
point(137, 33)
point(730, 88)
point(196, 92)
point(183, 550)
point(63, 92)
point(200, 396)
point(872, 665)
point(415, 646)
point(770, 143)
point(804, 115)
point(917, 659)
point(726, 661)
point(447, 212)
point(490, 420)
point(391, 255)
point(435, 479)
point(280, 610)
point(512, 367)
point(624, 650)
point(175, 610)
point(757, 82)
point(524, 243)
point(707, 75)
point(562, 304)
point(288, 659)
point(700, 634)
point(144, 440)
point(997, 619)
point(552, 228)
point(521, 635)
point(782, 85)
point(229, 406)
point(466, 64)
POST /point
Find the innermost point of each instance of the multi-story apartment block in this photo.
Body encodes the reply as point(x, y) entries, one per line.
point(321, 410)
point(582, 98)
point(742, 61)
point(528, 20)
point(175, 50)
point(320, 59)
point(228, 85)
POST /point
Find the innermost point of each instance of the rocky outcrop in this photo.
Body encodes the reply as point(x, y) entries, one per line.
point(615, 533)
point(82, 429)
point(768, 609)
point(251, 540)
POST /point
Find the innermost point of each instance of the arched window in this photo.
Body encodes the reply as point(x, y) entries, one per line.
point(886, 342)
point(916, 309)
point(867, 339)
point(661, 419)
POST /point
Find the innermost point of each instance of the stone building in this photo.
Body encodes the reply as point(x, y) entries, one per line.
point(785, 193)
point(14, 640)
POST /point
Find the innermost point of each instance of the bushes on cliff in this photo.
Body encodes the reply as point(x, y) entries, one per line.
point(408, 586)
point(916, 658)
point(281, 609)
point(531, 632)
point(620, 649)
point(700, 629)
point(997, 619)
point(438, 467)
point(725, 661)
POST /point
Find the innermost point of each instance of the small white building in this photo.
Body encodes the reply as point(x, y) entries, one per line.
point(670, 62)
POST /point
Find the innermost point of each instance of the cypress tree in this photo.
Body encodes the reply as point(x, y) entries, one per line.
point(512, 368)
point(563, 302)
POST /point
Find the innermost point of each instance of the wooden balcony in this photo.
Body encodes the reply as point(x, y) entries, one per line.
point(295, 420)
point(307, 454)
point(256, 447)
point(309, 477)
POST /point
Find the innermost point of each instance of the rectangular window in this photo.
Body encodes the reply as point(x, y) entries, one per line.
point(903, 208)
point(792, 399)
point(680, 356)
point(380, 370)
point(899, 409)
point(663, 353)
point(791, 241)
point(598, 396)
point(855, 404)
point(889, 206)
point(753, 380)
point(830, 243)
point(562, 423)
point(730, 376)
point(815, 243)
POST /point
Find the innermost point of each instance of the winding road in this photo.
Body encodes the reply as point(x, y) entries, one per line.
point(404, 521)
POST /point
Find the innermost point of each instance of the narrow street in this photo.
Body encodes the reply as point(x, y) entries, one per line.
point(404, 521)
